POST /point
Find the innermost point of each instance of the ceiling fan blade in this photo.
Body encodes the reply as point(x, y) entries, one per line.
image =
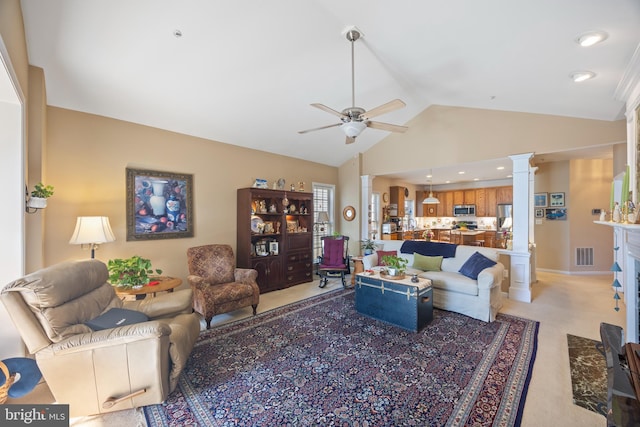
point(320, 128)
point(387, 126)
point(350, 140)
point(384, 108)
point(329, 110)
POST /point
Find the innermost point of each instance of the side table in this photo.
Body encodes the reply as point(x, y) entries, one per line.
point(166, 284)
point(358, 267)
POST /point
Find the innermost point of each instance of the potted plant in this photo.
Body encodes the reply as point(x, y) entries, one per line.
point(368, 246)
point(395, 265)
point(462, 225)
point(130, 273)
point(39, 196)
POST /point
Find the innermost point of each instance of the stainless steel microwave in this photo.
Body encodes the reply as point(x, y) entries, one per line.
point(464, 210)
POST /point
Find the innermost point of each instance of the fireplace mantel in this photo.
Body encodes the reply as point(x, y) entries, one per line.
point(627, 238)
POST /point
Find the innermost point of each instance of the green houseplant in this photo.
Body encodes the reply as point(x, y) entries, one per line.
point(39, 196)
point(130, 272)
point(368, 246)
point(395, 265)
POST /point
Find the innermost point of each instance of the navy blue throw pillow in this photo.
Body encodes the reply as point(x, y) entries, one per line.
point(475, 264)
point(116, 317)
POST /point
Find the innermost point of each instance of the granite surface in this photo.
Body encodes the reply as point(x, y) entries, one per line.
point(588, 373)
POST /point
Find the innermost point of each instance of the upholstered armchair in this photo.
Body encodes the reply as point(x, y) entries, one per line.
point(98, 371)
point(218, 286)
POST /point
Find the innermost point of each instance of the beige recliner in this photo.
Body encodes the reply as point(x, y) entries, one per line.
point(87, 369)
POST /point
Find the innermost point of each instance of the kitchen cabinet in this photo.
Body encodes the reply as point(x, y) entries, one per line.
point(275, 243)
point(469, 197)
point(445, 208)
point(458, 197)
point(397, 195)
point(504, 195)
point(481, 203)
point(490, 239)
point(490, 201)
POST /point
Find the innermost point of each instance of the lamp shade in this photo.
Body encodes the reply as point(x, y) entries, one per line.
point(431, 200)
point(323, 216)
point(92, 229)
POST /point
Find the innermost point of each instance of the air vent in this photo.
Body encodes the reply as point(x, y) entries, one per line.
point(584, 256)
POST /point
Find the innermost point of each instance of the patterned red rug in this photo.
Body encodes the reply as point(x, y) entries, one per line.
point(318, 362)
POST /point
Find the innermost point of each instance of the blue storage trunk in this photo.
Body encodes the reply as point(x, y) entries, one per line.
point(399, 302)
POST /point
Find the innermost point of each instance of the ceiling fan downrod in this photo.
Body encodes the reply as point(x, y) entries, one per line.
point(352, 36)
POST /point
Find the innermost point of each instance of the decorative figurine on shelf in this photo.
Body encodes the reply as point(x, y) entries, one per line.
point(616, 213)
point(301, 186)
point(293, 187)
point(272, 208)
point(303, 208)
point(263, 206)
point(603, 215)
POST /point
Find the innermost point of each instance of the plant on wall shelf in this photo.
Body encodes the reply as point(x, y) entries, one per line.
point(368, 246)
point(42, 191)
point(130, 273)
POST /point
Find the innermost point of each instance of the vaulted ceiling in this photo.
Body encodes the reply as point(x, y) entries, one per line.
point(244, 72)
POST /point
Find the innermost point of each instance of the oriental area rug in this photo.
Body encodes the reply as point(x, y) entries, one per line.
point(320, 363)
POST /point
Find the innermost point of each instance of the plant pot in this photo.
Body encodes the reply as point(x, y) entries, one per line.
point(37, 202)
point(368, 251)
point(393, 271)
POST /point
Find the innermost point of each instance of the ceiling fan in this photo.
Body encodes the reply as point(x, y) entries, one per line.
point(355, 119)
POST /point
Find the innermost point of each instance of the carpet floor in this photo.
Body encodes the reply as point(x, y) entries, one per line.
point(588, 374)
point(318, 362)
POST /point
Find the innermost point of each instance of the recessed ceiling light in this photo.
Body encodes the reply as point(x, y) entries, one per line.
point(509, 176)
point(476, 179)
point(447, 182)
point(429, 176)
point(591, 37)
point(500, 168)
point(581, 76)
point(461, 173)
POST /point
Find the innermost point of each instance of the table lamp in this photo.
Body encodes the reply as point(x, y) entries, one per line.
point(91, 231)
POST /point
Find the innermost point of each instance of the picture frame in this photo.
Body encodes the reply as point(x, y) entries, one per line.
point(159, 205)
point(539, 213)
point(273, 248)
point(556, 200)
point(292, 226)
point(540, 200)
point(554, 214)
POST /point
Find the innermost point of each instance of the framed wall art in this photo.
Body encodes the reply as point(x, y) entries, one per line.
point(556, 200)
point(540, 200)
point(159, 205)
point(556, 214)
point(539, 213)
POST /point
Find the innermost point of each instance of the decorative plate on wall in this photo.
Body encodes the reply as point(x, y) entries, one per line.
point(349, 213)
point(385, 197)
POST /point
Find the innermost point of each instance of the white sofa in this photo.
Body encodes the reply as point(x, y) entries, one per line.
point(452, 291)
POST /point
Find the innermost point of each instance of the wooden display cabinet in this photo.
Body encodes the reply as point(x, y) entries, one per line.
point(274, 236)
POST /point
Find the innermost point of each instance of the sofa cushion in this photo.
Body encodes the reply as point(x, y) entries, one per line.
point(451, 282)
point(383, 254)
point(475, 264)
point(447, 250)
point(427, 263)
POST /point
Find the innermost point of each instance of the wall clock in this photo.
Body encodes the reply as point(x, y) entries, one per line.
point(349, 213)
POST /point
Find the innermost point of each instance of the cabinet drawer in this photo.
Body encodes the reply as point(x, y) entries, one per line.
point(298, 266)
point(299, 257)
point(299, 241)
point(293, 278)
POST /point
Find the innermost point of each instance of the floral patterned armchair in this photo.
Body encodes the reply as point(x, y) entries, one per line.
point(218, 286)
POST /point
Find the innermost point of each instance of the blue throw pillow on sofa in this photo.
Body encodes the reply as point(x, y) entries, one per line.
point(116, 317)
point(475, 264)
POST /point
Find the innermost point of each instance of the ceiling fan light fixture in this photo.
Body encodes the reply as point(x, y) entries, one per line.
point(353, 129)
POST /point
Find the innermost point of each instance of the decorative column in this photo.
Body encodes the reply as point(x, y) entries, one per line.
point(520, 287)
point(366, 183)
point(532, 224)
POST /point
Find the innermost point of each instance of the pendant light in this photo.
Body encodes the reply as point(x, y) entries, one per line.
point(431, 200)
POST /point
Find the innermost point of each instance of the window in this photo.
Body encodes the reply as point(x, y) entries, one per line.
point(323, 201)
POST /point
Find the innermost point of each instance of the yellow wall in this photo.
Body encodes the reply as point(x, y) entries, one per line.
point(86, 160)
point(442, 135)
